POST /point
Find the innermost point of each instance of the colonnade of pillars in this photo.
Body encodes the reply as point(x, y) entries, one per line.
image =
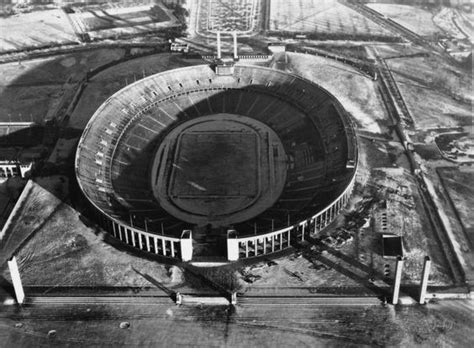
point(153, 243)
point(251, 247)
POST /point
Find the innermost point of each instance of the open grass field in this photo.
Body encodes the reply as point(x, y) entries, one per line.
point(44, 28)
point(95, 20)
point(432, 109)
point(102, 23)
point(436, 93)
point(457, 184)
point(56, 247)
point(223, 164)
point(446, 20)
point(34, 88)
point(464, 23)
point(102, 19)
point(315, 16)
point(357, 93)
point(434, 74)
point(416, 19)
point(106, 83)
point(449, 198)
point(37, 202)
point(219, 169)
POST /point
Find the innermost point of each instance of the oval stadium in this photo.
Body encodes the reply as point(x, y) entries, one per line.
point(233, 163)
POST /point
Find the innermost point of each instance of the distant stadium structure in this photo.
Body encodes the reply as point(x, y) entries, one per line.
point(189, 162)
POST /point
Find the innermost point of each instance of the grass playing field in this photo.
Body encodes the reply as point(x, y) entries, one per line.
point(219, 168)
point(216, 164)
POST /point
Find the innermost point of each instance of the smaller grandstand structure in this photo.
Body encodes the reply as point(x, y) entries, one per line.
point(18, 162)
point(20, 148)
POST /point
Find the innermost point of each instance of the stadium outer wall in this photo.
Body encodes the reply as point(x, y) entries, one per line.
point(237, 247)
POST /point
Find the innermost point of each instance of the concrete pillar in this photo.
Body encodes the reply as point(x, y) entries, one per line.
point(140, 241)
point(234, 34)
point(172, 248)
point(186, 245)
point(124, 230)
point(233, 246)
point(16, 280)
point(398, 279)
point(155, 243)
point(133, 236)
point(179, 298)
point(424, 279)
point(219, 54)
point(147, 242)
point(233, 298)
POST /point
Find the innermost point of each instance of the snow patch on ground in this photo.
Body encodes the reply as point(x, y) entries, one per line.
point(356, 92)
point(413, 18)
point(35, 29)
